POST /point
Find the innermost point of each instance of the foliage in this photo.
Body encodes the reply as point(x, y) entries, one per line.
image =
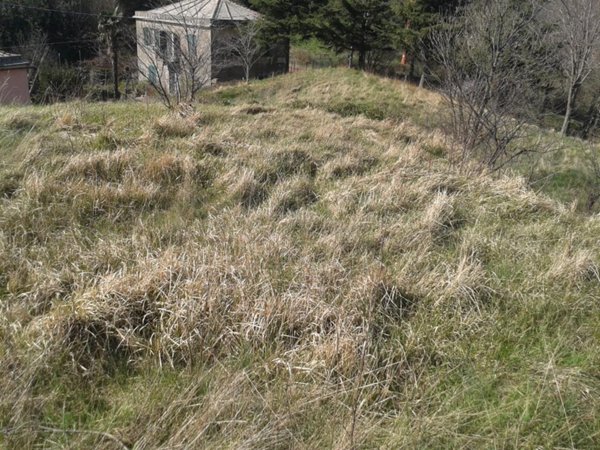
point(284, 19)
point(59, 83)
point(363, 26)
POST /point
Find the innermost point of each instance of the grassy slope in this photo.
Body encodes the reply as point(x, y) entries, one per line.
point(293, 266)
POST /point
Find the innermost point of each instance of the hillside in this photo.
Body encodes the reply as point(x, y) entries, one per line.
point(293, 265)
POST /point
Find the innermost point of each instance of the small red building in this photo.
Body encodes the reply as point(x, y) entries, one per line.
point(14, 79)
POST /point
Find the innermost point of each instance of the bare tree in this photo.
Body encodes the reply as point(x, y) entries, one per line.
point(175, 56)
point(491, 55)
point(239, 46)
point(577, 36)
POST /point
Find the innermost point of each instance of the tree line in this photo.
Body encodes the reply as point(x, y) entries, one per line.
point(543, 53)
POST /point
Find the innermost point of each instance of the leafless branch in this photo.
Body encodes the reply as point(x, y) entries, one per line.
point(175, 56)
point(576, 34)
point(491, 56)
point(239, 46)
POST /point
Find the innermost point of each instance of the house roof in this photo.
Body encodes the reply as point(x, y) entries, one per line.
point(12, 61)
point(202, 11)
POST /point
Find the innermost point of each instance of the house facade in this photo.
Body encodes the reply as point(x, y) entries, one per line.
point(178, 44)
point(14, 79)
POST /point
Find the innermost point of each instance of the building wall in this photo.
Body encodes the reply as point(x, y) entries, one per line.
point(207, 68)
point(169, 71)
point(14, 86)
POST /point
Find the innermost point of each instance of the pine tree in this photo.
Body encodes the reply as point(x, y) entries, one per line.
point(286, 18)
point(418, 18)
point(361, 26)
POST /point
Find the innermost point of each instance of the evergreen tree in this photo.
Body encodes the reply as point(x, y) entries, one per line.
point(419, 18)
point(286, 18)
point(361, 26)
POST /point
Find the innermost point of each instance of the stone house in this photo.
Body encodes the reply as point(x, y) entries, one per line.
point(14, 79)
point(177, 44)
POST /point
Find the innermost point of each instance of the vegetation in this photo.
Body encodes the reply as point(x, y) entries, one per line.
point(296, 264)
point(560, 39)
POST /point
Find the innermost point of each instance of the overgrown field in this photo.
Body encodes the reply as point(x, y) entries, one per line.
point(294, 264)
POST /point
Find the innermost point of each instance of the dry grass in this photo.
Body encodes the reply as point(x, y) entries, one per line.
point(316, 279)
point(173, 125)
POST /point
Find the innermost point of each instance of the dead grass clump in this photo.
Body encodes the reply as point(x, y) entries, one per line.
point(292, 195)
point(510, 198)
point(285, 320)
point(103, 166)
point(441, 216)
point(249, 192)
point(107, 139)
point(10, 183)
point(22, 122)
point(348, 165)
point(284, 164)
point(45, 148)
point(210, 148)
point(463, 286)
point(120, 316)
point(67, 121)
point(575, 266)
point(407, 132)
point(170, 169)
point(174, 126)
point(85, 202)
point(254, 110)
point(93, 333)
point(308, 222)
point(116, 202)
point(393, 301)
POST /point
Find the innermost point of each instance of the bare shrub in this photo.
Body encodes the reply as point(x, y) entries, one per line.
point(576, 34)
point(241, 47)
point(491, 56)
point(176, 60)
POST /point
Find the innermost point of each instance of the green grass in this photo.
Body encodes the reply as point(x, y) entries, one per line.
point(296, 264)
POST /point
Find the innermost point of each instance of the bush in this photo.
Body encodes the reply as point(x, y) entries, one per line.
point(59, 83)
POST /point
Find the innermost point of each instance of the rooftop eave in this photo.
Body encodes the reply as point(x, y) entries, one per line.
point(171, 20)
point(16, 63)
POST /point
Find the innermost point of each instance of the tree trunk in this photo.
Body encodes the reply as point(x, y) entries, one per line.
point(422, 81)
point(565, 125)
point(572, 97)
point(115, 64)
point(287, 54)
point(362, 59)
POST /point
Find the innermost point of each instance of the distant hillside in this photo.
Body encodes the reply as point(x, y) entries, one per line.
point(294, 264)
